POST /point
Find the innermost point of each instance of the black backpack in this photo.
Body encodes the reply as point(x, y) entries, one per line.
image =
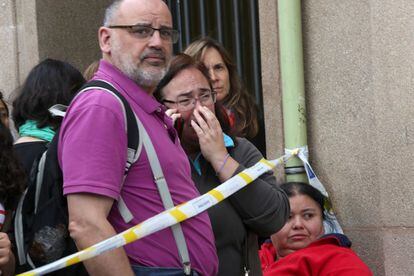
point(41, 220)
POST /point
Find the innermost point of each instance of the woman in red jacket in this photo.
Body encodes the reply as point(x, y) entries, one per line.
point(301, 248)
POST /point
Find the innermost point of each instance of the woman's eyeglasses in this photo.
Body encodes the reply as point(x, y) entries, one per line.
point(187, 102)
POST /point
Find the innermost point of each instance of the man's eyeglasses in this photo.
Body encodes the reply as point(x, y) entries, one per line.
point(145, 31)
point(187, 102)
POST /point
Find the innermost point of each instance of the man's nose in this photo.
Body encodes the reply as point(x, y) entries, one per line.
point(155, 40)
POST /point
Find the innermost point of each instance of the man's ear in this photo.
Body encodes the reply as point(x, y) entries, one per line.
point(104, 36)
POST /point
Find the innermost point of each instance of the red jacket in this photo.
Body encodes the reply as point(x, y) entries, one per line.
point(327, 256)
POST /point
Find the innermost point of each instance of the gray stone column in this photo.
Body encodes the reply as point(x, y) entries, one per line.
point(27, 37)
point(33, 30)
point(272, 101)
point(8, 46)
point(18, 49)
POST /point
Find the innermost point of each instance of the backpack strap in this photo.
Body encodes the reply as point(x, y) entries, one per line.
point(131, 128)
point(134, 125)
point(135, 129)
point(18, 229)
point(165, 196)
point(133, 152)
point(39, 179)
point(58, 110)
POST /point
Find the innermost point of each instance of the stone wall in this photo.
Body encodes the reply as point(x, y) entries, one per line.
point(31, 31)
point(9, 70)
point(359, 79)
point(68, 30)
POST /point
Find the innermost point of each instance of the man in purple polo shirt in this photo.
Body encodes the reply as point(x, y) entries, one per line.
point(136, 44)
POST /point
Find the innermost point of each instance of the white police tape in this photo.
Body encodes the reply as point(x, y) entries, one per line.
point(169, 217)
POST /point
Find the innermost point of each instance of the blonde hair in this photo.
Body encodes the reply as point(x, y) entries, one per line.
point(238, 100)
point(91, 70)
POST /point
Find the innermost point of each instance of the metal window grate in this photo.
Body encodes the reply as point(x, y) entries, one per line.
point(233, 23)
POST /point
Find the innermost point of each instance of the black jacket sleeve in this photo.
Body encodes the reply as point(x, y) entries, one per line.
point(262, 205)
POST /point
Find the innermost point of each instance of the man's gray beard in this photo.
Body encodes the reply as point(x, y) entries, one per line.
point(145, 78)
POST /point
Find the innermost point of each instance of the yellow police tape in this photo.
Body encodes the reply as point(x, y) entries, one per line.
point(167, 218)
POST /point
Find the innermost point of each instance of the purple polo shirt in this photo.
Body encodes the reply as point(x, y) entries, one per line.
point(92, 154)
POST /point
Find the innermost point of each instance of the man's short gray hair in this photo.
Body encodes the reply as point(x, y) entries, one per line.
point(110, 12)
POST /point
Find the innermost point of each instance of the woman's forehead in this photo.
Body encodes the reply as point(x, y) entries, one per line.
point(302, 202)
point(187, 80)
point(212, 56)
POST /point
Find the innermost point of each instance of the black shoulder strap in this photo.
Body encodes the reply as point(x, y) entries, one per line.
point(134, 141)
point(131, 123)
point(138, 137)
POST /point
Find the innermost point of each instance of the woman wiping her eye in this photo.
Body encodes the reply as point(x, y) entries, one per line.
point(259, 209)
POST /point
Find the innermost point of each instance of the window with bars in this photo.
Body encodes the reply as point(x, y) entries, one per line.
point(235, 24)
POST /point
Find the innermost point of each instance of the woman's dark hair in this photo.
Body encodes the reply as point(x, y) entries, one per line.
point(181, 62)
point(48, 83)
point(4, 103)
point(238, 100)
point(299, 188)
point(12, 176)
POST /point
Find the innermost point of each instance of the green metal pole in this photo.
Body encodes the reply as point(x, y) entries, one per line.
point(292, 79)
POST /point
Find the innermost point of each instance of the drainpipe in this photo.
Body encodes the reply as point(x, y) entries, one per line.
point(293, 84)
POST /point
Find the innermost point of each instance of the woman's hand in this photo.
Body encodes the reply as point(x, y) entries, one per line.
point(6, 255)
point(5, 249)
point(210, 135)
point(173, 114)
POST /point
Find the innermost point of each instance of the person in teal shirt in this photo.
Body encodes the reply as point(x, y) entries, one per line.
point(48, 83)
